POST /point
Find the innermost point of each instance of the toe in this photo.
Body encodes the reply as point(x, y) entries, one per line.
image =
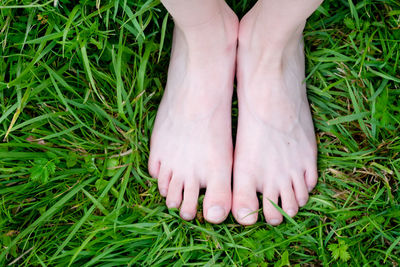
point(311, 177)
point(272, 215)
point(245, 203)
point(164, 178)
point(190, 199)
point(300, 190)
point(153, 166)
point(174, 197)
point(288, 199)
point(217, 201)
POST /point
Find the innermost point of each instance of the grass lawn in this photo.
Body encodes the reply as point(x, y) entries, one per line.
point(80, 82)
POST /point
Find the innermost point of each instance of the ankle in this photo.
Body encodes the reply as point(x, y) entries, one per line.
point(193, 13)
point(217, 15)
point(267, 33)
point(221, 26)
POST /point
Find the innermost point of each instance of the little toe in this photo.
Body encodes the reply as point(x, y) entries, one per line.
point(164, 178)
point(153, 166)
point(245, 203)
point(300, 190)
point(190, 199)
point(174, 197)
point(217, 200)
point(311, 177)
point(272, 215)
point(289, 201)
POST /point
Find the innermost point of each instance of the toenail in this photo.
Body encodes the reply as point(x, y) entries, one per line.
point(275, 221)
point(163, 192)
point(245, 215)
point(172, 205)
point(291, 213)
point(302, 202)
point(215, 213)
point(310, 188)
point(186, 216)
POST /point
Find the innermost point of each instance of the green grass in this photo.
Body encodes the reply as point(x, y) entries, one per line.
point(79, 89)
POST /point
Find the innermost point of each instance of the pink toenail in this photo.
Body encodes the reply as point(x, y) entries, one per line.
point(302, 202)
point(274, 221)
point(246, 215)
point(172, 205)
point(291, 213)
point(163, 192)
point(186, 216)
point(215, 213)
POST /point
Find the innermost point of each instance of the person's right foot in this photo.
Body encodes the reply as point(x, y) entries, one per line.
point(275, 150)
point(191, 143)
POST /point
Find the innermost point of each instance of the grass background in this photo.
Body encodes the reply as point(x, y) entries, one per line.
point(80, 82)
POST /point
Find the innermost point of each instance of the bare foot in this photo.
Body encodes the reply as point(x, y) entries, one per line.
point(191, 143)
point(275, 150)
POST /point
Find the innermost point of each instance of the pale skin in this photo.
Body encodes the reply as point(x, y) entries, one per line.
point(191, 144)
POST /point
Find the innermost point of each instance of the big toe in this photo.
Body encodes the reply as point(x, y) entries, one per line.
point(245, 203)
point(217, 201)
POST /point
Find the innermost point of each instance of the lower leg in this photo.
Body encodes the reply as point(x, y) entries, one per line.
point(273, 24)
point(189, 13)
point(275, 149)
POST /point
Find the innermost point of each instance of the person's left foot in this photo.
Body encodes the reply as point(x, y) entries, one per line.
point(275, 150)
